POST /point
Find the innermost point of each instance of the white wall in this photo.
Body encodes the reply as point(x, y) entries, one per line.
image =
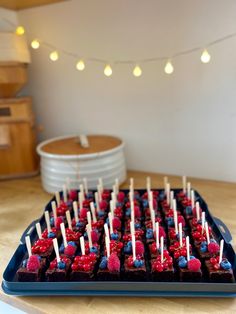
point(7, 16)
point(179, 124)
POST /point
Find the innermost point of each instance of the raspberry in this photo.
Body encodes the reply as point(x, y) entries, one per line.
point(94, 236)
point(70, 250)
point(33, 263)
point(116, 223)
point(181, 220)
point(59, 220)
point(194, 264)
point(73, 195)
point(213, 247)
point(113, 263)
point(83, 213)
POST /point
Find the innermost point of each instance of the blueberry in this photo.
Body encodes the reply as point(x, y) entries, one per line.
point(103, 263)
point(129, 243)
point(101, 213)
point(192, 257)
point(93, 249)
point(61, 265)
point(188, 210)
point(149, 233)
point(51, 234)
point(61, 249)
point(182, 263)
point(24, 263)
point(79, 224)
point(114, 236)
point(128, 212)
point(137, 225)
point(51, 221)
point(225, 264)
point(138, 263)
point(127, 249)
point(203, 248)
point(145, 203)
point(72, 243)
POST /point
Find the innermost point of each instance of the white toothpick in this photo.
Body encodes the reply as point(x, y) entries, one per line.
point(165, 184)
point(81, 200)
point(89, 220)
point(112, 207)
point(56, 249)
point(188, 190)
point(175, 216)
point(107, 242)
point(92, 207)
point(54, 210)
point(63, 232)
point(47, 218)
point(85, 182)
point(157, 236)
point(148, 185)
point(64, 193)
point(110, 222)
point(168, 193)
point(132, 184)
point(99, 193)
point(97, 201)
point(82, 245)
point(152, 213)
point(192, 198)
point(134, 247)
point(117, 185)
point(221, 250)
point(132, 211)
point(88, 228)
point(197, 211)
point(207, 232)
point(132, 229)
point(184, 181)
point(28, 245)
point(171, 199)
point(203, 221)
point(162, 249)
point(75, 208)
point(39, 230)
point(58, 199)
point(180, 234)
point(107, 231)
point(68, 218)
point(187, 247)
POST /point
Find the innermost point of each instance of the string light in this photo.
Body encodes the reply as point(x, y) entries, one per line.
point(169, 68)
point(137, 71)
point(35, 44)
point(108, 70)
point(54, 56)
point(205, 57)
point(20, 30)
point(80, 65)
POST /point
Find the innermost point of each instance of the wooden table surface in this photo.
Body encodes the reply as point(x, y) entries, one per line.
point(22, 201)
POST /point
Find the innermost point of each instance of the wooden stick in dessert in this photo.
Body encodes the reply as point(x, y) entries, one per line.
point(75, 208)
point(81, 189)
point(99, 192)
point(93, 211)
point(207, 232)
point(188, 190)
point(68, 218)
point(180, 234)
point(85, 182)
point(97, 201)
point(152, 213)
point(100, 182)
point(175, 216)
point(221, 250)
point(89, 220)
point(88, 229)
point(187, 247)
point(197, 211)
point(58, 199)
point(203, 221)
point(107, 242)
point(157, 235)
point(81, 199)
point(47, 219)
point(184, 181)
point(56, 249)
point(107, 231)
point(64, 190)
point(28, 245)
point(132, 229)
point(133, 247)
point(54, 210)
point(117, 185)
point(110, 217)
point(63, 232)
point(82, 245)
point(162, 249)
point(168, 193)
point(113, 196)
point(132, 215)
point(132, 184)
point(165, 184)
point(171, 199)
point(148, 184)
point(192, 198)
point(112, 208)
point(39, 230)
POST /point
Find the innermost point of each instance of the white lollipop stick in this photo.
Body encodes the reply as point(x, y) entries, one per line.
point(47, 218)
point(197, 211)
point(165, 184)
point(89, 220)
point(81, 200)
point(75, 208)
point(162, 249)
point(28, 245)
point(148, 185)
point(64, 193)
point(88, 228)
point(100, 182)
point(132, 229)
point(132, 211)
point(97, 201)
point(117, 184)
point(39, 230)
point(134, 247)
point(99, 193)
point(113, 197)
point(107, 246)
point(82, 245)
point(157, 236)
point(58, 199)
point(54, 210)
point(192, 198)
point(81, 188)
point(63, 232)
point(131, 195)
point(152, 218)
point(132, 183)
point(168, 193)
point(110, 222)
point(171, 199)
point(203, 220)
point(68, 184)
point(107, 231)
point(221, 250)
point(92, 207)
point(189, 190)
point(187, 247)
point(175, 216)
point(56, 249)
point(184, 180)
point(85, 182)
point(112, 208)
point(207, 232)
point(180, 234)
point(68, 218)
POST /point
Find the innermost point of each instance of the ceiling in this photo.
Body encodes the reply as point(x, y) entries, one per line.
point(24, 4)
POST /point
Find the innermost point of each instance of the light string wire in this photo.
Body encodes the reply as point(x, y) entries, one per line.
point(129, 62)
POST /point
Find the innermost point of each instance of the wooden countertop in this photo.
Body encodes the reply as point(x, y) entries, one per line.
point(22, 201)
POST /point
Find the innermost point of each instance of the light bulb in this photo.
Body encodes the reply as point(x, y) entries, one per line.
point(205, 57)
point(35, 44)
point(20, 30)
point(108, 70)
point(169, 68)
point(137, 71)
point(80, 65)
point(54, 56)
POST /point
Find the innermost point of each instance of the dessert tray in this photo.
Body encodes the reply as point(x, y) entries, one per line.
point(120, 286)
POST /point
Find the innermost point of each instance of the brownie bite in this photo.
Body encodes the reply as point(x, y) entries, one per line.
point(109, 268)
point(135, 270)
point(58, 271)
point(31, 269)
point(190, 271)
point(83, 267)
point(163, 270)
point(219, 272)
